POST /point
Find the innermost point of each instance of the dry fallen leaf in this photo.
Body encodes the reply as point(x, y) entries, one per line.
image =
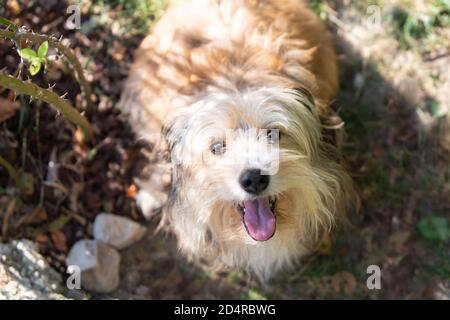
point(41, 238)
point(59, 240)
point(8, 109)
point(132, 191)
point(324, 245)
point(398, 240)
point(118, 51)
point(27, 183)
point(78, 136)
point(344, 280)
point(39, 215)
point(6, 215)
point(13, 7)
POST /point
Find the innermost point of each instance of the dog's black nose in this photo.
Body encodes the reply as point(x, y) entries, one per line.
point(253, 182)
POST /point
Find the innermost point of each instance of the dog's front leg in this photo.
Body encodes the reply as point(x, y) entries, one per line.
point(154, 188)
point(153, 193)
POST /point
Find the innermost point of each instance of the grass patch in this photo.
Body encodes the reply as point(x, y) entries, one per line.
point(255, 295)
point(137, 15)
point(378, 181)
point(412, 28)
point(235, 277)
point(319, 7)
point(434, 228)
point(438, 263)
point(323, 266)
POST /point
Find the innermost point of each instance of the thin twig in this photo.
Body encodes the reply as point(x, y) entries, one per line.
point(6, 34)
point(11, 171)
point(8, 214)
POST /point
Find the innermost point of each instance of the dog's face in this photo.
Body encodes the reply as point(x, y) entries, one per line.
point(250, 166)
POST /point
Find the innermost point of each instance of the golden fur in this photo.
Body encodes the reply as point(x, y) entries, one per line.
point(212, 65)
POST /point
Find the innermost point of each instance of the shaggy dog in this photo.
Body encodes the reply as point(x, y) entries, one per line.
point(238, 93)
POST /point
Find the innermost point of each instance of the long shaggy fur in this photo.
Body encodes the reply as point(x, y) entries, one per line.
point(210, 66)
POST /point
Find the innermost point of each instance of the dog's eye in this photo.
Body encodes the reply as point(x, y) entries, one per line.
point(217, 148)
point(273, 135)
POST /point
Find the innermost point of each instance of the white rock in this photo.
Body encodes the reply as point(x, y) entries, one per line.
point(25, 274)
point(99, 265)
point(117, 231)
point(142, 290)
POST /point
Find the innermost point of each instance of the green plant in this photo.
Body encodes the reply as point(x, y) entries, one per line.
point(255, 295)
point(415, 26)
point(319, 8)
point(434, 228)
point(35, 60)
point(137, 15)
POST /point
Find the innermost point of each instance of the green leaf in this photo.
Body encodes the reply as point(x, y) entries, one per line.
point(255, 295)
point(27, 54)
point(59, 223)
point(43, 49)
point(435, 108)
point(34, 67)
point(434, 228)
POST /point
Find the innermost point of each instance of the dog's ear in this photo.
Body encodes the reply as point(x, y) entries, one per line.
point(174, 134)
point(330, 120)
point(165, 132)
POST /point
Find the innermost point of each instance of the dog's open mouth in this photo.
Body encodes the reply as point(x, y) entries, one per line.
point(259, 217)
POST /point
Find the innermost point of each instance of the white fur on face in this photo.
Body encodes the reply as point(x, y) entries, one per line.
point(307, 183)
point(241, 121)
point(199, 57)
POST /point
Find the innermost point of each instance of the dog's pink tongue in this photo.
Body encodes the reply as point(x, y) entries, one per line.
point(259, 219)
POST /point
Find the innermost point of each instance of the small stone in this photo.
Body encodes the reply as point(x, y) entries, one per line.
point(25, 274)
point(142, 291)
point(117, 231)
point(99, 265)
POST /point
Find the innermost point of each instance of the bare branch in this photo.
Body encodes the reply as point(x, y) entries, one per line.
point(49, 97)
point(19, 35)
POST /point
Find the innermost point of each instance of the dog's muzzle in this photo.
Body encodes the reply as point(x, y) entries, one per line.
point(253, 181)
point(258, 214)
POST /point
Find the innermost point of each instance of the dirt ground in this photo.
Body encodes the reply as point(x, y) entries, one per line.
point(395, 81)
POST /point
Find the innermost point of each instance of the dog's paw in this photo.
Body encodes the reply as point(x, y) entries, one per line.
point(153, 189)
point(150, 203)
